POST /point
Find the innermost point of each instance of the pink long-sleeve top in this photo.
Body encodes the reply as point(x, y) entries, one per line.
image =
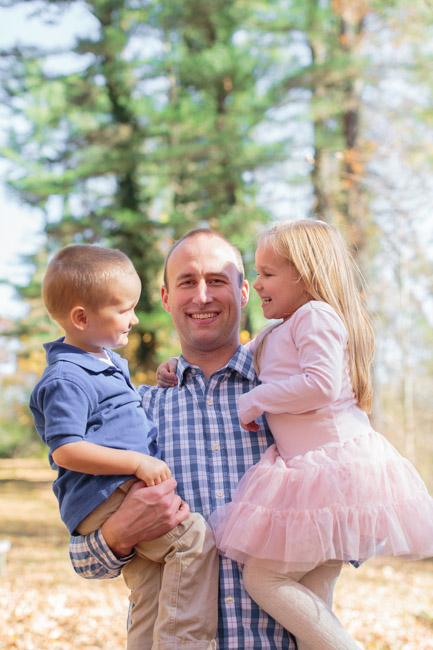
point(306, 391)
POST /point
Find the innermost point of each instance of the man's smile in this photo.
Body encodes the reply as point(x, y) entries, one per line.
point(202, 315)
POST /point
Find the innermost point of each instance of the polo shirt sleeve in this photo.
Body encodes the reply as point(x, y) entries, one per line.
point(65, 409)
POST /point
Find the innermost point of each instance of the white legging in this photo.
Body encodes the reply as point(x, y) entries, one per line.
point(301, 602)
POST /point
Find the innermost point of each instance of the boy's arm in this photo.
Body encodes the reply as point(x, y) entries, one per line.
point(89, 458)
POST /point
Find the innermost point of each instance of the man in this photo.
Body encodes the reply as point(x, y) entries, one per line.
point(199, 431)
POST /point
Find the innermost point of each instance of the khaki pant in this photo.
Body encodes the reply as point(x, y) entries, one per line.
point(173, 582)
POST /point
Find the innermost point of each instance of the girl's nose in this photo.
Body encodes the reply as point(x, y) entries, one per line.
point(134, 319)
point(256, 284)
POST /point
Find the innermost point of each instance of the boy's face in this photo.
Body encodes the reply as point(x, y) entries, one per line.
point(109, 326)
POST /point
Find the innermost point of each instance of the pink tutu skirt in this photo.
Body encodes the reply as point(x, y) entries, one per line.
point(349, 501)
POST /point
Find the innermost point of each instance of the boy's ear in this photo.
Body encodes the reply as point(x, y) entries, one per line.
point(78, 317)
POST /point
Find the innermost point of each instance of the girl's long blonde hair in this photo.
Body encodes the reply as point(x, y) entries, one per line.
point(322, 259)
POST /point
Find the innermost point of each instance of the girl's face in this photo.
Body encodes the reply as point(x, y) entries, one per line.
point(278, 284)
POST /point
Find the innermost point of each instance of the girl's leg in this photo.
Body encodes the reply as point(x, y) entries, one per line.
point(322, 580)
point(301, 611)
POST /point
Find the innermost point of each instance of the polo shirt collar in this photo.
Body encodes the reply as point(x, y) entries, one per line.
point(241, 362)
point(59, 351)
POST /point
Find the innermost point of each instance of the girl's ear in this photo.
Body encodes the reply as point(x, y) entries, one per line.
point(78, 317)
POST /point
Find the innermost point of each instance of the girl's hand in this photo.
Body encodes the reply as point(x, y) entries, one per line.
point(151, 471)
point(166, 373)
point(250, 426)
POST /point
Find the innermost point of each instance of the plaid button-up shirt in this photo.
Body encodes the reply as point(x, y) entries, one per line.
point(201, 440)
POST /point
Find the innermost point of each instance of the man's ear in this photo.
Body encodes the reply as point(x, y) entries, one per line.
point(78, 317)
point(245, 293)
point(164, 298)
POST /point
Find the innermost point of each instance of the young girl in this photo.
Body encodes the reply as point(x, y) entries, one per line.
point(330, 490)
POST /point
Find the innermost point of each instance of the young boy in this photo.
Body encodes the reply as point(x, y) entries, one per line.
point(89, 414)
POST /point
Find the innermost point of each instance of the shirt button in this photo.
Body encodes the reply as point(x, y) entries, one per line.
point(215, 446)
point(220, 493)
point(229, 600)
point(209, 402)
point(193, 371)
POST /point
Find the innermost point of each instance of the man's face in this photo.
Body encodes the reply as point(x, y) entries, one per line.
point(204, 296)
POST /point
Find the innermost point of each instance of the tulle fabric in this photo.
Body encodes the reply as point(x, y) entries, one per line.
point(347, 501)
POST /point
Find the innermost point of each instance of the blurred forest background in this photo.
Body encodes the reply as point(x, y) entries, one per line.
point(229, 114)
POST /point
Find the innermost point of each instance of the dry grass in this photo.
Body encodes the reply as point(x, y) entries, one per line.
point(44, 605)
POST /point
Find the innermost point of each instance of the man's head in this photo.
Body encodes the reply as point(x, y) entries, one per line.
point(91, 292)
point(209, 233)
point(204, 290)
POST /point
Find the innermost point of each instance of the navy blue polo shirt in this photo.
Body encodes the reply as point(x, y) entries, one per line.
point(78, 398)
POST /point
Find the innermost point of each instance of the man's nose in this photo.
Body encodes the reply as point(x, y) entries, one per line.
point(202, 293)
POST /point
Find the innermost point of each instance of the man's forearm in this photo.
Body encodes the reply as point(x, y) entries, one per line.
point(92, 558)
point(146, 513)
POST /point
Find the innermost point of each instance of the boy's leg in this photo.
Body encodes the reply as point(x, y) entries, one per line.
point(143, 578)
point(96, 518)
point(188, 599)
point(181, 569)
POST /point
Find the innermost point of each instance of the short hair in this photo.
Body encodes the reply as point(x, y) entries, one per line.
point(208, 233)
point(80, 274)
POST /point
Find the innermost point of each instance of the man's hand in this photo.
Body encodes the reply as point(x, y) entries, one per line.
point(146, 513)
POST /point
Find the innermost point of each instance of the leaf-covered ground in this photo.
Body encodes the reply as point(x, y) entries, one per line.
point(45, 606)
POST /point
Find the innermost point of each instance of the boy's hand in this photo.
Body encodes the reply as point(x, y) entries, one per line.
point(166, 373)
point(250, 426)
point(151, 471)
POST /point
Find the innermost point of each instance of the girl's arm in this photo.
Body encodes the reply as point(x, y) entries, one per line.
point(319, 338)
point(88, 458)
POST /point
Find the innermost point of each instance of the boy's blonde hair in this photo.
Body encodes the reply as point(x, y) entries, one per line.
point(321, 257)
point(80, 275)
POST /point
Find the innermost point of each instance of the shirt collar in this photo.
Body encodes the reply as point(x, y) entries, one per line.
point(241, 362)
point(60, 351)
